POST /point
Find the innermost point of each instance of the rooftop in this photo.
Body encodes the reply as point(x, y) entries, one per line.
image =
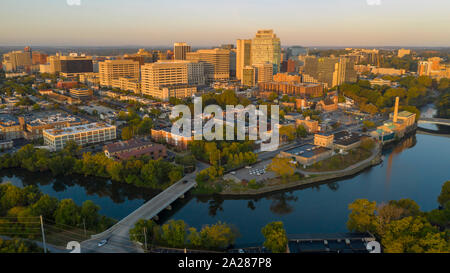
point(307, 150)
point(49, 117)
point(8, 120)
point(80, 128)
point(326, 243)
point(346, 138)
point(405, 114)
point(126, 145)
point(141, 151)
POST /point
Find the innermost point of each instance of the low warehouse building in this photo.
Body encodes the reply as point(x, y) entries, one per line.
point(308, 154)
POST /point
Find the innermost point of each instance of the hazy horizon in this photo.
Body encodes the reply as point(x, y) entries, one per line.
point(140, 23)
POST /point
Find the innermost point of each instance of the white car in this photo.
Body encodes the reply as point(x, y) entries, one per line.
point(248, 167)
point(233, 173)
point(102, 243)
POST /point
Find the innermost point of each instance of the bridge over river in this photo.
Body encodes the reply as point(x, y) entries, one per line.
point(117, 235)
point(440, 121)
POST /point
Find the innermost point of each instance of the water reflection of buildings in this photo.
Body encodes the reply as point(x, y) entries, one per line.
point(398, 149)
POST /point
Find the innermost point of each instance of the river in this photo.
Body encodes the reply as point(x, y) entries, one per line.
point(416, 168)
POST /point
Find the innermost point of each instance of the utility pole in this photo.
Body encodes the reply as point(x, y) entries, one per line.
point(43, 234)
point(145, 238)
point(84, 226)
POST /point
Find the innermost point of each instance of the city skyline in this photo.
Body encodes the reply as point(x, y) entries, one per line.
point(144, 23)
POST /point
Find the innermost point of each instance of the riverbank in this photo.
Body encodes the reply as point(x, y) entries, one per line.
point(312, 178)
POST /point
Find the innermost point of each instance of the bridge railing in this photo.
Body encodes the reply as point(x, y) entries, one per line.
point(143, 207)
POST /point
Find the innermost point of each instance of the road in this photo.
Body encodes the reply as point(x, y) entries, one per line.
point(118, 235)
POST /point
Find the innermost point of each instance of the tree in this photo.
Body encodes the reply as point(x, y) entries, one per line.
point(217, 236)
point(413, 235)
point(282, 167)
point(127, 133)
point(19, 246)
point(45, 206)
point(89, 214)
point(301, 131)
point(444, 196)
point(147, 227)
point(287, 132)
point(367, 144)
point(362, 217)
point(174, 233)
point(369, 124)
point(68, 213)
point(275, 237)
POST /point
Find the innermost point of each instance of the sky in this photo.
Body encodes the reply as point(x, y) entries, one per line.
point(214, 22)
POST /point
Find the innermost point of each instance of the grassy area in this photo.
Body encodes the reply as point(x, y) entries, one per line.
point(340, 162)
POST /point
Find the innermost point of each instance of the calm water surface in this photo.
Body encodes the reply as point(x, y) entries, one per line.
point(415, 168)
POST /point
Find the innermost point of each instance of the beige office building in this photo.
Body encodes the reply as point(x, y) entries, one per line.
point(166, 79)
point(344, 71)
point(248, 76)
point(216, 61)
point(16, 60)
point(127, 84)
point(243, 56)
point(180, 50)
point(81, 134)
point(264, 72)
point(266, 48)
point(110, 70)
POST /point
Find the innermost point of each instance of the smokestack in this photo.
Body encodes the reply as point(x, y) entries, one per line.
point(396, 109)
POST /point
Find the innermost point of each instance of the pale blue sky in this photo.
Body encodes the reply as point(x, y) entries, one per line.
point(213, 22)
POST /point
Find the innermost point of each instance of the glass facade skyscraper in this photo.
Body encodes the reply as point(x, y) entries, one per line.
point(266, 48)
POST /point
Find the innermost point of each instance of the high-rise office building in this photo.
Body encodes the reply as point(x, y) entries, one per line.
point(54, 64)
point(165, 79)
point(196, 73)
point(17, 60)
point(180, 50)
point(73, 65)
point(217, 63)
point(243, 56)
point(320, 69)
point(329, 70)
point(266, 48)
point(344, 72)
point(110, 70)
point(39, 57)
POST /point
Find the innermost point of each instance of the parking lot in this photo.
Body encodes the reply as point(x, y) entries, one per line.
point(249, 174)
